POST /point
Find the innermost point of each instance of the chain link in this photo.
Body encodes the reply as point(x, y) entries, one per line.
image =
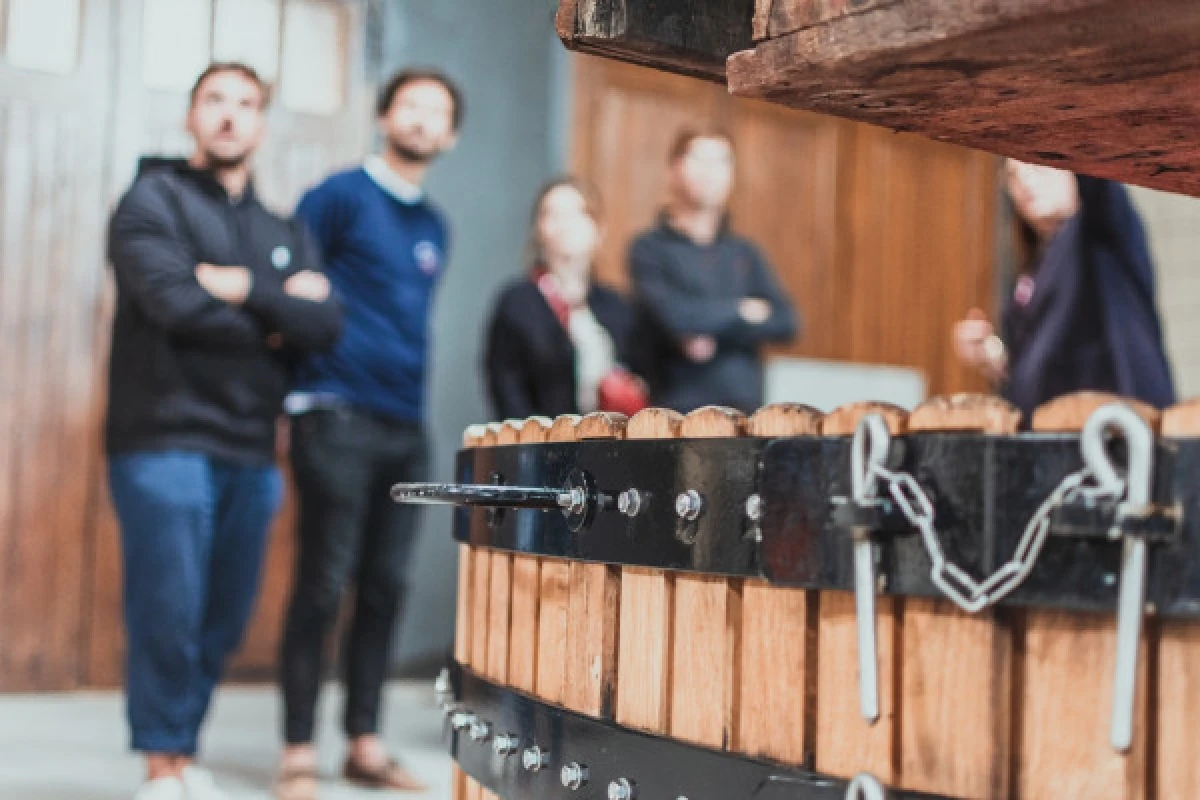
point(952, 580)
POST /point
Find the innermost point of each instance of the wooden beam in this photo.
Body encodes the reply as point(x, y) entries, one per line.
point(689, 37)
point(1102, 87)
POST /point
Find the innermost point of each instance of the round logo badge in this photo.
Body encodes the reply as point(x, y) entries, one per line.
point(427, 256)
point(281, 257)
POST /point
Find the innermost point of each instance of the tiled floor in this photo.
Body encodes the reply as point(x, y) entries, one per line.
point(72, 747)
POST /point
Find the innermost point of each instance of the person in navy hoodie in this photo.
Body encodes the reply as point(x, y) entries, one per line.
point(1082, 313)
point(357, 416)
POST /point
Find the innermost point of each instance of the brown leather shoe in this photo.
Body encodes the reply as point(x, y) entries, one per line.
point(390, 776)
point(297, 784)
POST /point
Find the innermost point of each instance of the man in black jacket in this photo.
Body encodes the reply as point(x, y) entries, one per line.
point(216, 298)
point(707, 300)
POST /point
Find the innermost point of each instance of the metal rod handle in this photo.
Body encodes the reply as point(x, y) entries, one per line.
point(465, 494)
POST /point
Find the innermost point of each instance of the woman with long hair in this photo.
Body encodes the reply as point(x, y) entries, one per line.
point(557, 341)
point(1082, 312)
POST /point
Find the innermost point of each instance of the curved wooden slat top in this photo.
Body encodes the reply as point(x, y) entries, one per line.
point(473, 435)
point(1182, 420)
point(602, 425)
point(843, 420)
point(785, 419)
point(983, 413)
point(713, 422)
point(654, 423)
point(492, 435)
point(534, 430)
point(564, 428)
point(510, 431)
point(1068, 413)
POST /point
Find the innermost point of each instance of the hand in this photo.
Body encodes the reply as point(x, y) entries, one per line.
point(754, 310)
point(700, 349)
point(231, 284)
point(976, 345)
point(308, 285)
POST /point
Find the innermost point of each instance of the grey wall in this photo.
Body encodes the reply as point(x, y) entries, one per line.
point(513, 70)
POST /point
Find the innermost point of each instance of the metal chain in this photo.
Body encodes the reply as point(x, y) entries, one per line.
point(954, 582)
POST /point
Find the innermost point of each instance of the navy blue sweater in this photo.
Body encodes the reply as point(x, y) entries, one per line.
point(384, 257)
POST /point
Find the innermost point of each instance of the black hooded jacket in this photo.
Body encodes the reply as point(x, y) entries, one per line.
point(189, 371)
point(1089, 320)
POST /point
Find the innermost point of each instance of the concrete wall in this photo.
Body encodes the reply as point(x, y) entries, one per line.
point(513, 70)
point(1173, 226)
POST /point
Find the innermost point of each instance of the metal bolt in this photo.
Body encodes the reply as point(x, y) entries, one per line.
point(480, 731)
point(689, 505)
point(622, 789)
point(629, 502)
point(442, 684)
point(506, 744)
point(574, 776)
point(754, 508)
point(535, 759)
point(461, 720)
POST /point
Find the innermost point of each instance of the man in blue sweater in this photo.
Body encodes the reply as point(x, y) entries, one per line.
point(357, 424)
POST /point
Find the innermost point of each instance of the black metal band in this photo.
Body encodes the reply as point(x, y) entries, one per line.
point(984, 490)
point(658, 767)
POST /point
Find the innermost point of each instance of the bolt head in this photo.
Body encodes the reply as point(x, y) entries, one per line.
point(574, 776)
point(461, 720)
point(535, 759)
point(480, 731)
point(629, 502)
point(754, 509)
point(622, 789)
point(688, 505)
point(505, 744)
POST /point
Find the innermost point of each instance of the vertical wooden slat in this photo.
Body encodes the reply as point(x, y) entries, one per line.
point(775, 671)
point(846, 744)
point(1177, 761)
point(526, 577)
point(554, 600)
point(956, 668)
point(463, 606)
point(481, 576)
point(647, 595)
point(1066, 679)
point(593, 613)
point(707, 627)
point(499, 609)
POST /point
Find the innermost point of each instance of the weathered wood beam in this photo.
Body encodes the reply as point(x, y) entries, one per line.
point(1104, 87)
point(690, 37)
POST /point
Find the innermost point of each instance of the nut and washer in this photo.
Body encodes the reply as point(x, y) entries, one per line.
point(461, 720)
point(535, 759)
point(506, 744)
point(622, 789)
point(689, 505)
point(574, 776)
point(629, 502)
point(480, 731)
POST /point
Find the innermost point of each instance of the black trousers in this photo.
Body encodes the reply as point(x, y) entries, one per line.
point(350, 532)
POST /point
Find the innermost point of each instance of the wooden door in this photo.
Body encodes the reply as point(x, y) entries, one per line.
point(883, 240)
point(55, 59)
point(86, 86)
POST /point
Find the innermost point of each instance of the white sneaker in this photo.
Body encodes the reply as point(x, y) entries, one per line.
point(161, 789)
point(198, 784)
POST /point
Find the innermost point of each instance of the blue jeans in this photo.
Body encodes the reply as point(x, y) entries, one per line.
point(193, 533)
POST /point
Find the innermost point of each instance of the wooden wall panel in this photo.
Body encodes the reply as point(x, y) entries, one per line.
point(883, 240)
point(68, 144)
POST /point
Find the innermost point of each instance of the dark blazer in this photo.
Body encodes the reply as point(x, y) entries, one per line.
point(530, 360)
point(1091, 322)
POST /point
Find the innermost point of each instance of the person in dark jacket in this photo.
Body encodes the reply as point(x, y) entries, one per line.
point(707, 299)
point(557, 340)
point(216, 300)
point(1082, 314)
point(358, 427)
